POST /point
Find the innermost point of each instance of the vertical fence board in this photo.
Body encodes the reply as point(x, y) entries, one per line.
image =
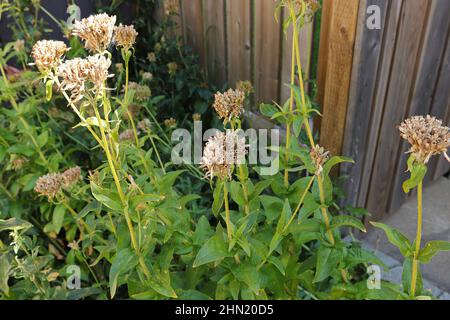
point(239, 40)
point(366, 62)
point(337, 84)
point(305, 41)
point(389, 40)
point(193, 27)
point(267, 51)
point(215, 41)
point(424, 87)
point(402, 78)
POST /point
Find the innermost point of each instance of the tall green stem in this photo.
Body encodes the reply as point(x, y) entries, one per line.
point(415, 266)
point(227, 209)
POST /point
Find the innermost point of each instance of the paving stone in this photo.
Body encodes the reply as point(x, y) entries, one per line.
point(444, 296)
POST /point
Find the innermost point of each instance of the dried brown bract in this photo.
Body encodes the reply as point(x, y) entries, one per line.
point(229, 104)
point(96, 31)
point(126, 135)
point(48, 185)
point(70, 177)
point(427, 137)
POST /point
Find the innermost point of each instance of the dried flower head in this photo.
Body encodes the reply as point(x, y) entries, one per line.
point(170, 123)
point(97, 70)
point(48, 185)
point(197, 117)
point(158, 47)
point(17, 162)
point(141, 92)
point(319, 156)
point(229, 104)
point(70, 177)
point(73, 73)
point(96, 31)
point(427, 137)
point(125, 36)
point(47, 54)
point(245, 86)
point(222, 152)
point(172, 67)
point(147, 76)
point(126, 135)
point(76, 72)
point(151, 56)
point(144, 125)
point(134, 109)
point(19, 45)
point(171, 7)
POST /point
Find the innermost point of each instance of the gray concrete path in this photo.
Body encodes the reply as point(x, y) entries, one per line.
point(436, 227)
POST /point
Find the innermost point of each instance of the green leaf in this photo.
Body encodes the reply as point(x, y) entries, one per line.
point(48, 90)
point(431, 249)
point(327, 261)
point(395, 237)
point(5, 267)
point(213, 250)
point(202, 231)
point(418, 172)
point(218, 199)
point(58, 217)
point(160, 282)
point(278, 264)
point(407, 277)
point(248, 275)
point(236, 193)
point(106, 197)
point(268, 110)
point(235, 287)
point(347, 221)
point(333, 162)
point(260, 187)
point(124, 261)
point(14, 224)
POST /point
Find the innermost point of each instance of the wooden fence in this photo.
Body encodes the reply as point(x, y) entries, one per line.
point(368, 80)
point(243, 40)
point(376, 78)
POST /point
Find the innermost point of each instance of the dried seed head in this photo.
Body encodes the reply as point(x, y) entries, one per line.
point(48, 185)
point(144, 125)
point(125, 36)
point(17, 162)
point(97, 71)
point(172, 67)
point(77, 71)
point(134, 109)
point(229, 104)
point(245, 86)
point(307, 8)
point(141, 92)
point(170, 123)
point(222, 152)
point(151, 56)
point(427, 137)
point(73, 73)
point(119, 67)
point(319, 156)
point(197, 117)
point(70, 177)
point(147, 76)
point(96, 31)
point(126, 135)
point(47, 54)
point(171, 7)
